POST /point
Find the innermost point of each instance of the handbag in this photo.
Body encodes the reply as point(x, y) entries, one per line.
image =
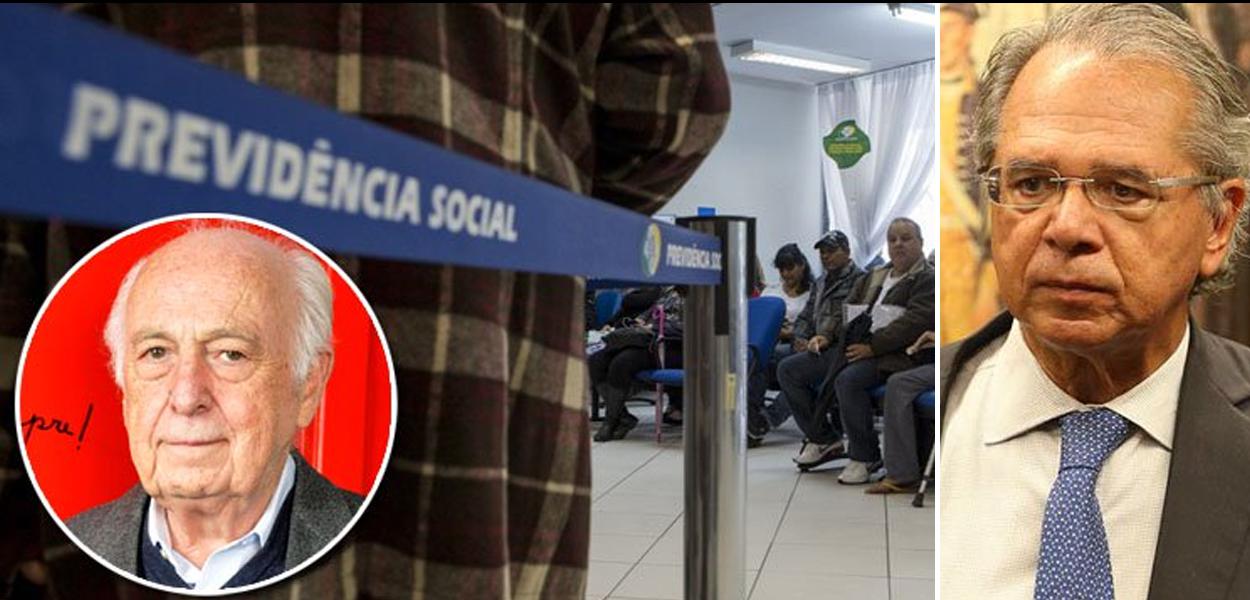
point(628, 337)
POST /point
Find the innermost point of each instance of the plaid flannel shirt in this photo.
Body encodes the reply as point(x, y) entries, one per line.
point(487, 494)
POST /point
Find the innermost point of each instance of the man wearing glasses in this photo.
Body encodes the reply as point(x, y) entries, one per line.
point(1096, 443)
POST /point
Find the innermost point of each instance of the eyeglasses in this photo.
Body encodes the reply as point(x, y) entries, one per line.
point(1128, 193)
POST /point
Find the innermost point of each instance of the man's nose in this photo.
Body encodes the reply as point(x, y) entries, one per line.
point(192, 391)
point(1074, 225)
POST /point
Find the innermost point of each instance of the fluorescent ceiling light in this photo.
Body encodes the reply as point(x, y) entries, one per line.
point(798, 58)
point(917, 16)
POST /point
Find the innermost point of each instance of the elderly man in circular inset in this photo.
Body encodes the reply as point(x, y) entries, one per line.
point(1096, 442)
point(221, 343)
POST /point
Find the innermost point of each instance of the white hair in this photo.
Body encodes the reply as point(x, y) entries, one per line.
point(314, 323)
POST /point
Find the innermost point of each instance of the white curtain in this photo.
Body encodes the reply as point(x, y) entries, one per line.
point(895, 109)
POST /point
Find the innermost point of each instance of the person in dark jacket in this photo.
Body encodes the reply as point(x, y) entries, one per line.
point(899, 301)
point(816, 329)
point(629, 350)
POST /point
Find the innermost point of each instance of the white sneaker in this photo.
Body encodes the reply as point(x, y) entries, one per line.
point(814, 455)
point(856, 472)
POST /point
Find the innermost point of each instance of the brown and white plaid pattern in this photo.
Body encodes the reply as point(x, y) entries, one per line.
point(487, 492)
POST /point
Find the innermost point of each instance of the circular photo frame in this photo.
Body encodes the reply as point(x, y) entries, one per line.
point(206, 404)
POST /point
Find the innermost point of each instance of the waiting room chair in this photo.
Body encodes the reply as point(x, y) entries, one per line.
point(764, 317)
point(607, 303)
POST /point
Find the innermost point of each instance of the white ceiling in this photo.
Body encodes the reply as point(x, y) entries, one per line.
point(865, 31)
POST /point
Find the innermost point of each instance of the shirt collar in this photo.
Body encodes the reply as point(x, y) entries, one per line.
point(1029, 399)
point(158, 527)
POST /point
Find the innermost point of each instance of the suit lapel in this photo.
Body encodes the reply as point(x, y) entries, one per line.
point(318, 515)
point(124, 554)
point(1206, 512)
point(955, 356)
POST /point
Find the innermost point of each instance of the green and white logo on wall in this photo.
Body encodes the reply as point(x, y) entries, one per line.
point(846, 144)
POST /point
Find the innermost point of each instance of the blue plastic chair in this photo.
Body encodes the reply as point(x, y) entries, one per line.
point(607, 303)
point(764, 316)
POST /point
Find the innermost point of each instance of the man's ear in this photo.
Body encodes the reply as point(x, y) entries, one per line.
point(314, 387)
point(1233, 199)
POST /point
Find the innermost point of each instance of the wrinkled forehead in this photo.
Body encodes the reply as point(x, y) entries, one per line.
point(208, 280)
point(1066, 87)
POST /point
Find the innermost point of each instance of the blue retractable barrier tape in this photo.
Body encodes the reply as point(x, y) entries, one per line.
point(98, 127)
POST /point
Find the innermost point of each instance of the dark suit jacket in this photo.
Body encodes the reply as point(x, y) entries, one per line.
point(320, 511)
point(1204, 535)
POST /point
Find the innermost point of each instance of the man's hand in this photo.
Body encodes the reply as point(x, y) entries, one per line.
point(817, 344)
point(799, 345)
point(856, 352)
point(926, 340)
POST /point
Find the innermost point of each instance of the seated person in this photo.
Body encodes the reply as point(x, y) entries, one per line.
point(906, 284)
point(902, 461)
point(635, 303)
point(627, 351)
point(794, 289)
point(816, 328)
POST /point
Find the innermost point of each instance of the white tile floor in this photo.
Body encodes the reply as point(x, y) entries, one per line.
point(808, 537)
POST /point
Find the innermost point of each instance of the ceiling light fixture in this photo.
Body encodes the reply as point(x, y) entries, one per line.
point(799, 58)
point(913, 15)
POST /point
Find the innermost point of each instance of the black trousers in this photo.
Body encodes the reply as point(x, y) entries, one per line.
point(617, 366)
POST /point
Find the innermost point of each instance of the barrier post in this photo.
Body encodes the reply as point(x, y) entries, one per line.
point(715, 420)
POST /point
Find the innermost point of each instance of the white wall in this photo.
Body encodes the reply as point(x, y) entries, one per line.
point(767, 166)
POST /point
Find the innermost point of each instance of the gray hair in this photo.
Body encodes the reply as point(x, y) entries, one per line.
point(1217, 139)
point(314, 323)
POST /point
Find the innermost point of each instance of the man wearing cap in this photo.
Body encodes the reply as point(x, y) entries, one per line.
point(817, 328)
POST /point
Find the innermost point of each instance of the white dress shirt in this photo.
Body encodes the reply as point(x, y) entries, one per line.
point(224, 562)
point(1000, 457)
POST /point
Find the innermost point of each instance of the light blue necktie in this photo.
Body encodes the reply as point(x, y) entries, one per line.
point(1074, 563)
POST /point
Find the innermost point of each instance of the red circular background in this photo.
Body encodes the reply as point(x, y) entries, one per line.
point(79, 462)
